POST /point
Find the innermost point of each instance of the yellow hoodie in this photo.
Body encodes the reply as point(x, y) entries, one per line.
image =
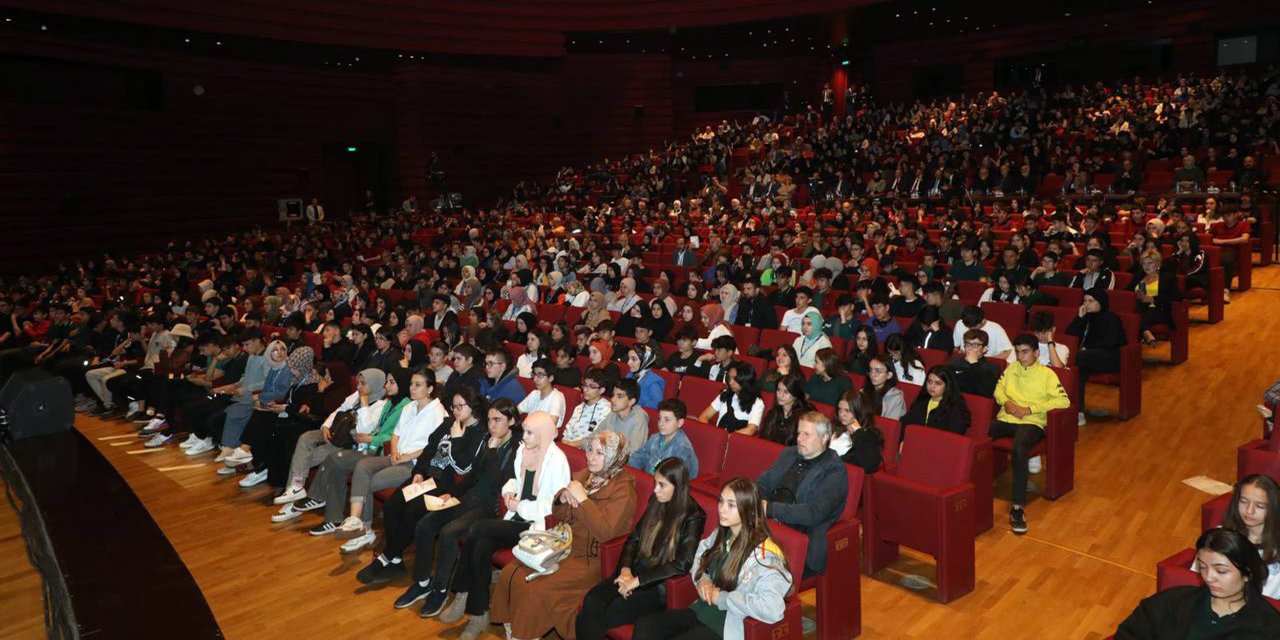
point(1036, 387)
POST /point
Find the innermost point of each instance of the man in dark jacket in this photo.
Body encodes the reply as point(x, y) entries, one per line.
point(807, 486)
point(754, 310)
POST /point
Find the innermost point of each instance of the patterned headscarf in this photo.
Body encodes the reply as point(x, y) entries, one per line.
point(615, 458)
point(302, 362)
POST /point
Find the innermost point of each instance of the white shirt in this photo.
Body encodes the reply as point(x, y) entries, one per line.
point(416, 425)
point(997, 338)
point(553, 404)
point(716, 332)
point(624, 304)
point(1063, 353)
point(553, 476)
point(585, 419)
point(315, 212)
point(580, 300)
point(524, 365)
point(755, 416)
point(792, 319)
point(914, 376)
point(808, 354)
point(366, 417)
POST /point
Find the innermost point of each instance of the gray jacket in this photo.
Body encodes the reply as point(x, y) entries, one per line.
point(763, 583)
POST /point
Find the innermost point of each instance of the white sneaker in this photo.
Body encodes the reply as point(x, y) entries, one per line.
point(191, 439)
point(286, 514)
point(290, 495)
point(222, 454)
point(158, 440)
point(1035, 464)
point(201, 446)
point(152, 427)
point(226, 471)
point(1080, 419)
point(238, 457)
point(133, 407)
point(254, 479)
point(355, 544)
point(351, 525)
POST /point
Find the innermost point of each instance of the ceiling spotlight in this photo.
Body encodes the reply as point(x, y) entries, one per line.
point(219, 43)
point(1067, 14)
point(187, 40)
point(44, 27)
point(357, 59)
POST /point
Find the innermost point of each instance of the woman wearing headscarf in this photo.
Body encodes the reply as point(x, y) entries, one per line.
point(576, 295)
point(641, 359)
point(329, 487)
point(662, 293)
point(598, 504)
point(555, 292)
point(600, 358)
point(268, 417)
point(1101, 335)
point(812, 339)
point(313, 446)
point(306, 412)
point(714, 319)
point(541, 472)
point(597, 308)
point(519, 297)
point(690, 316)
point(274, 388)
point(468, 292)
point(660, 323)
point(525, 324)
point(729, 296)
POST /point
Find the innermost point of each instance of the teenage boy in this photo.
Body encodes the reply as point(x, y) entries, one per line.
point(597, 390)
point(1026, 393)
point(973, 373)
point(792, 319)
point(715, 365)
point(626, 417)
point(544, 396)
point(685, 359)
point(500, 380)
point(566, 374)
point(669, 442)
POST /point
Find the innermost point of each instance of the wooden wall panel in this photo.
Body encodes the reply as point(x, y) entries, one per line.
point(110, 179)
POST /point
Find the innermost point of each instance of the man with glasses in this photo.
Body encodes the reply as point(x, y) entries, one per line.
point(597, 389)
point(1026, 393)
point(544, 396)
point(974, 374)
point(500, 379)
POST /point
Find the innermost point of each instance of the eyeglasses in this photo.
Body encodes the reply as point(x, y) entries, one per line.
point(492, 363)
point(591, 386)
point(974, 345)
point(878, 370)
point(456, 407)
point(540, 374)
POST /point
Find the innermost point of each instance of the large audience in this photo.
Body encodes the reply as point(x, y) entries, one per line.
point(447, 368)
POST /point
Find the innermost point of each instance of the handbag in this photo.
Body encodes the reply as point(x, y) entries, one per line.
point(342, 431)
point(543, 551)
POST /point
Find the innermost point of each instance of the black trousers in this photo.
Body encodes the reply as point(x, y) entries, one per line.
point(205, 419)
point(1091, 361)
point(258, 433)
point(277, 453)
point(474, 572)
point(437, 535)
point(681, 624)
point(604, 608)
point(183, 394)
point(131, 386)
point(73, 369)
point(1025, 436)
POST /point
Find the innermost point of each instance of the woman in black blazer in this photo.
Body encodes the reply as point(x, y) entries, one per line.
point(1229, 606)
point(950, 413)
point(661, 546)
point(1157, 290)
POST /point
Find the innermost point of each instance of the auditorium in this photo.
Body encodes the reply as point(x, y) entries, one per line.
point(640, 319)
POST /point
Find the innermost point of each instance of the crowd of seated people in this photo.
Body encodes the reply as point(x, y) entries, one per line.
point(343, 359)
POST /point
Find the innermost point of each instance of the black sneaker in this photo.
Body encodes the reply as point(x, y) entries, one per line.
point(434, 603)
point(414, 593)
point(310, 504)
point(379, 572)
point(1018, 521)
point(324, 529)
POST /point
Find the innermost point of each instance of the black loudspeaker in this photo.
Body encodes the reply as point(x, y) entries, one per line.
point(36, 404)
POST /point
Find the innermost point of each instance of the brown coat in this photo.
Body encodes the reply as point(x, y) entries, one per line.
point(552, 602)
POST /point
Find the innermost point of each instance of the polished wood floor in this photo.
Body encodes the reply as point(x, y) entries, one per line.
point(1088, 559)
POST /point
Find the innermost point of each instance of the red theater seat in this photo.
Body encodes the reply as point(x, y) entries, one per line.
point(926, 503)
point(698, 393)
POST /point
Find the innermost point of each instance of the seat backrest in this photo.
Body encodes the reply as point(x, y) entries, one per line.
point(709, 444)
point(698, 393)
point(644, 491)
point(935, 457)
point(745, 336)
point(981, 411)
point(771, 339)
point(572, 398)
point(1260, 461)
point(710, 506)
point(909, 392)
point(671, 388)
point(749, 456)
point(759, 364)
point(577, 457)
point(1012, 317)
point(795, 546)
point(892, 430)
point(854, 499)
point(652, 415)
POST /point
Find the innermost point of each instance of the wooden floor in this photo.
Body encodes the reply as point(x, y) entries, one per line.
point(1088, 559)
